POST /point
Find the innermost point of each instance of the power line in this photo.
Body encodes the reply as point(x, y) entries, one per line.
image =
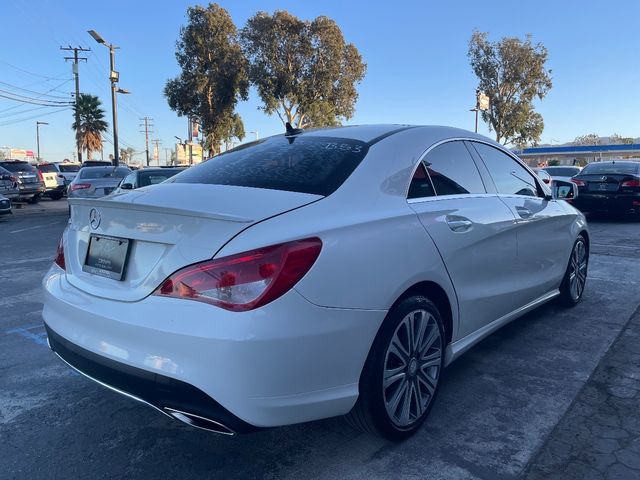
point(35, 101)
point(19, 120)
point(18, 106)
point(33, 92)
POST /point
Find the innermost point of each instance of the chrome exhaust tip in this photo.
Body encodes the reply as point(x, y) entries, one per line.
point(197, 421)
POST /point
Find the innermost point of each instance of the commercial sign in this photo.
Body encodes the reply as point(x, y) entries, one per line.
point(182, 153)
point(18, 152)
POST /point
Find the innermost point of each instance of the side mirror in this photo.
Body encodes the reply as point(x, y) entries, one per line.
point(564, 190)
point(126, 186)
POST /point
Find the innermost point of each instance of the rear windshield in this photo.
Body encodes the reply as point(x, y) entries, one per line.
point(611, 168)
point(563, 171)
point(47, 168)
point(103, 172)
point(69, 168)
point(18, 167)
point(306, 164)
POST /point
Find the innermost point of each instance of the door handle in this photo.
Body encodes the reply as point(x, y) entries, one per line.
point(459, 224)
point(524, 212)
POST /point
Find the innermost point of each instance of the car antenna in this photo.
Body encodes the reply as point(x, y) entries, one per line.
point(292, 131)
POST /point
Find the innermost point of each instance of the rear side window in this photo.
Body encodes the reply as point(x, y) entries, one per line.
point(421, 186)
point(306, 164)
point(452, 171)
point(69, 168)
point(146, 178)
point(103, 172)
point(510, 177)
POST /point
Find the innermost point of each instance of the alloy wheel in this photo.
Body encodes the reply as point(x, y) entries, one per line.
point(578, 270)
point(412, 366)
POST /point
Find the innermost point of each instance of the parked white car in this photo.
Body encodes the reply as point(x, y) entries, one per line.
point(309, 275)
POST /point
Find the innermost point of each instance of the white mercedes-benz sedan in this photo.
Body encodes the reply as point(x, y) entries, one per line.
point(309, 275)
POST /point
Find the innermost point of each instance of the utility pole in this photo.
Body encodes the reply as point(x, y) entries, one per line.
point(38, 137)
point(147, 125)
point(76, 74)
point(156, 150)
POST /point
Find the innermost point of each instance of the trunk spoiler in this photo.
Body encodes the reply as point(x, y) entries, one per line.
point(113, 202)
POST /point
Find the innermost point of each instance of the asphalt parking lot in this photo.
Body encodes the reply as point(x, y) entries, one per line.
point(501, 407)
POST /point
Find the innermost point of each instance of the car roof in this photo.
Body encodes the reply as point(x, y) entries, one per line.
point(375, 133)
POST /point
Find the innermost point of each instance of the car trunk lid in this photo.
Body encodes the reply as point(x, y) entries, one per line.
point(168, 226)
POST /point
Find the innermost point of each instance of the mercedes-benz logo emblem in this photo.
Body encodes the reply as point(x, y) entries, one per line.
point(94, 218)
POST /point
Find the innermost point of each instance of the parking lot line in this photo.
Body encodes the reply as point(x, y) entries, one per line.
point(34, 227)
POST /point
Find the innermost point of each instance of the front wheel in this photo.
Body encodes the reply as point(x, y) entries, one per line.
point(575, 278)
point(402, 374)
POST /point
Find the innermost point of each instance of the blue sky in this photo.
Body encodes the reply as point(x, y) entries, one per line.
point(418, 71)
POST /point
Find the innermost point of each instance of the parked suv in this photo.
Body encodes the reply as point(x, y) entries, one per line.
point(8, 184)
point(68, 171)
point(30, 186)
point(52, 179)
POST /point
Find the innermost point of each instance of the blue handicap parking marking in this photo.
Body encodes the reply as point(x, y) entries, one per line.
point(39, 338)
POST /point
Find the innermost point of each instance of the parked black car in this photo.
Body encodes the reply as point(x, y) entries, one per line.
point(609, 187)
point(147, 176)
point(30, 186)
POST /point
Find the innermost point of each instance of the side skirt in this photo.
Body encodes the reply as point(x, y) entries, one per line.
point(457, 348)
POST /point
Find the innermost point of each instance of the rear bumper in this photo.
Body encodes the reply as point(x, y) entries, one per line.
point(57, 188)
point(622, 203)
point(29, 190)
point(159, 391)
point(287, 362)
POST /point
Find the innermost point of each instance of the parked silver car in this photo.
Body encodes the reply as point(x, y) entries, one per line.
point(96, 182)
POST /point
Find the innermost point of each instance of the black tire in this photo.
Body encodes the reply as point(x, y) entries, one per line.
point(370, 412)
point(568, 297)
point(56, 195)
point(35, 199)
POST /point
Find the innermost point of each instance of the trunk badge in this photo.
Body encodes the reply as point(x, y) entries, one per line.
point(94, 218)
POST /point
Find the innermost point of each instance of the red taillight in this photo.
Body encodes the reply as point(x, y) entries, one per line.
point(578, 182)
point(59, 260)
point(79, 186)
point(40, 175)
point(631, 183)
point(247, 280)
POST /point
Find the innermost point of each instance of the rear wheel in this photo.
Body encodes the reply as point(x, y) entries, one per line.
point(575, 278)
point(56, 195)
point(35, 198)
point(402, 374)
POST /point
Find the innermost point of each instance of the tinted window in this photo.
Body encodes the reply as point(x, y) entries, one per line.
point(18, 167)
point(510, 177)
point(103, 172)
point(452, 170)
point(48, 168)
point(562, 171)
point(69, 168)
point(131, 179)
point(305, 163)
point(420, 184)
point(151, 178)
point(611, 168)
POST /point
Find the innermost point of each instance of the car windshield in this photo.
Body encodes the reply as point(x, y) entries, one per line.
point(69, 168)
point(155, 176)
point(611, 169)
point(103, 172)
point(563, 171)
point(305, 163)
point(48, 168)
point(18, 167)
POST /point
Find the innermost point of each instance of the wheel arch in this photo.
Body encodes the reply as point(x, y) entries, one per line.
point(437, 295)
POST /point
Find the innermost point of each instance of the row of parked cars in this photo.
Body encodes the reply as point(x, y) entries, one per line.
point(612, 186)
point(26, 182)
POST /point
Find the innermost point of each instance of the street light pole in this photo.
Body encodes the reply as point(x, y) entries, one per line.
point(113, 77)
point(38, 137)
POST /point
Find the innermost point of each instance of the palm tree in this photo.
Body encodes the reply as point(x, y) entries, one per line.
point(92, 124)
